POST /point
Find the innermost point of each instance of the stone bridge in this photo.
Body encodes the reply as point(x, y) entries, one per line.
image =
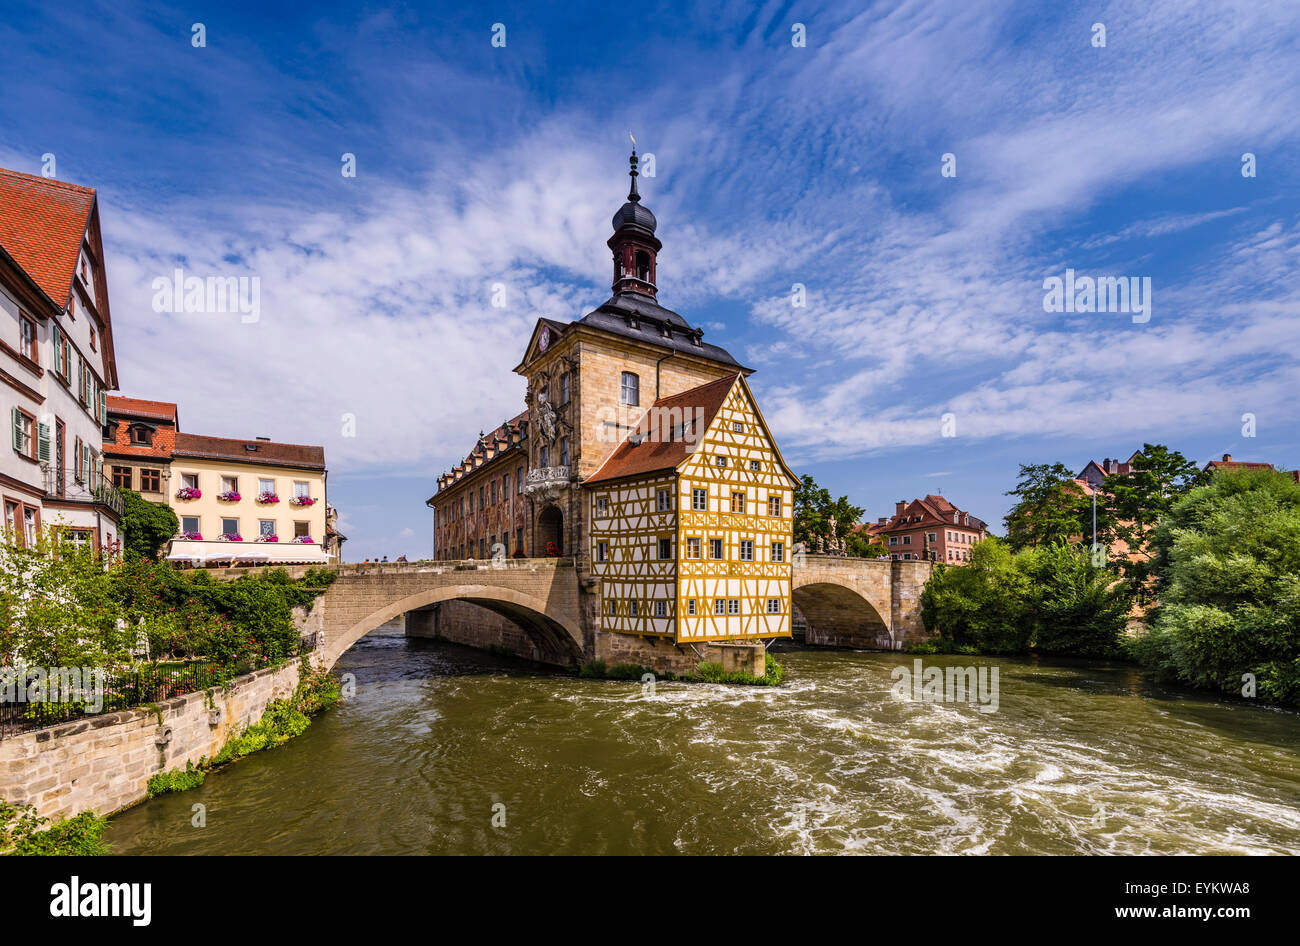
point(869, 603)
point(542, 610)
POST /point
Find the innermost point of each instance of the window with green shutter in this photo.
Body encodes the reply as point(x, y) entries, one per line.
point(17, 419)
point(103, 408)
point(43, 442)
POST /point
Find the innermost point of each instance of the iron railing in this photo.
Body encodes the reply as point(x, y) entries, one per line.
point(63, 482)
point(124, 691)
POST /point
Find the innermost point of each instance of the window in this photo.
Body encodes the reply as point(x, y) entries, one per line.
point(631, 390)
point(302, 529)
point(92, 340)
point(189, 524)
point(151, 481)
point(721, 461)
point(663, 500)
point(692, 546)
point(519, 540)
point(699, 499)
point(931, 536)
point(738, 426)
point(690, 606)
point(715, 549)
point(25, 434)
point(602, 505)
point(893, 540)
point(733, 605)
point(737, 502)
point(482, 547)
point(519, 481)
point(230, 484)
point(564, 388)
point(142, 434)
point(746, 550)
point(773, 605)
point(631, 608)
point(265, 527)
point(190, 480)
point(544, 456)
point(907, 540)
point(661, 609)
point(494, 492)
point(778, 551)
point(505, 487)
point(301, 489)
point(265, 486)
point(230, 527)
point(755, 465)
point(22, 521)
point(665, 549)
point(564, 451)
point(122, 477)
point(774, 505)
point(613, 607)
point(602, 551)
point(27, 338)
point(719, 605)
point(482, 493)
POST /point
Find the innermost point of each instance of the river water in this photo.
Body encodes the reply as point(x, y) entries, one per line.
point(439, 741)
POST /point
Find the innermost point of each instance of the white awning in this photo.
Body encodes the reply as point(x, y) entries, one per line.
point(200, 553)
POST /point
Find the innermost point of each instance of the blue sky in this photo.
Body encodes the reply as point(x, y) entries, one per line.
point(775, 165)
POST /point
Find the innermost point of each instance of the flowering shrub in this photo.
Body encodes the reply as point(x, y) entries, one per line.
point(302, 501)
point(268, 538)
point(552, 550)
point(303, 539)
point(191, 536)
point(230, 496)
point(268, 498)
point(189, 492)
point(231, 537)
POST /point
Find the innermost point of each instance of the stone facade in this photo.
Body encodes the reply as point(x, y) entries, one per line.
point(859, 602)
point(103, 763)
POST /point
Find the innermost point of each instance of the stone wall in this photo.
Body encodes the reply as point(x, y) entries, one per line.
point(103, 763)
point(873, 604)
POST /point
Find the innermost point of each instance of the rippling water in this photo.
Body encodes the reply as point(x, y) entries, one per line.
point(1078, 760)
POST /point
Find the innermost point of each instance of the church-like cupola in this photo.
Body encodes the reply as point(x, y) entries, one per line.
point(635, 246)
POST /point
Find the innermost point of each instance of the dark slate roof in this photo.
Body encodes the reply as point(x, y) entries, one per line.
point(633, 214)
point(652, 320)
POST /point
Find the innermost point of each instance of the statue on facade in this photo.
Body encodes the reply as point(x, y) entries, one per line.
point(546, 418)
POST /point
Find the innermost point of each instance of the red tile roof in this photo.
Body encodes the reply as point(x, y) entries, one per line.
point(933, 510)
point(636, 456)
point(1228, 463)
point(263, 452)
point(136, 407)
point(42, 224)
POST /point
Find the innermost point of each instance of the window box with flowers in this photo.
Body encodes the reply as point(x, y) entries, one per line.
point(189, 492)
point(302, 501)
point(231, 537)
point(229, 496)
point(268, 538)
point(303, 540)
point(191, 536)
point(267, 499)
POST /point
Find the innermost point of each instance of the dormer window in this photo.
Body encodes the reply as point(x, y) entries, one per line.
point(141, 435)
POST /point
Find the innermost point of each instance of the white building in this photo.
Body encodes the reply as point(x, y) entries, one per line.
point(56, 360)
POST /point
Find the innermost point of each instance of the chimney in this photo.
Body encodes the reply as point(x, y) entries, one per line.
point(882, 520)
point(1227, 458)
point(898, 507)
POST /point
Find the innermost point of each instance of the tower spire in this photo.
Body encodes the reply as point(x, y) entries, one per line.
point(632, 194)
point(634, 244)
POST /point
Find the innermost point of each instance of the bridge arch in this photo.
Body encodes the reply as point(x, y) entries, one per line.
point(551, 630)
point(839, 615)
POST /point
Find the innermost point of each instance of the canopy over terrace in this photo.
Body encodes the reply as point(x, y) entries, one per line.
point(211, 552)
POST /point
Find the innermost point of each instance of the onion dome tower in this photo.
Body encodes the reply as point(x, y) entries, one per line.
point(634, 243)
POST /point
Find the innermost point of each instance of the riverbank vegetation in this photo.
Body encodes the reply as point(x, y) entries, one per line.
point(24, 833)
point(707, 671)
point(1212, 564)
point(64, 604)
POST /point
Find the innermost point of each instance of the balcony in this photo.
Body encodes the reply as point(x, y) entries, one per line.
point(105, 496)
point(547, 484)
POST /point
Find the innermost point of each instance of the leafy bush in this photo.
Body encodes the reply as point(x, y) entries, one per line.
point(710, 671)
point(23, 832)
point(1051, 597)
point(1228, 566)
point(146, 526)
point(175, 780)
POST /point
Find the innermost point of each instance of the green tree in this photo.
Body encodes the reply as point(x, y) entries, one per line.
point(1051, 507)
point(1227, 560)
point(813, 510)
point(1131, 504)
point(1072, 605)
point(146, 525)
point(979, 605)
